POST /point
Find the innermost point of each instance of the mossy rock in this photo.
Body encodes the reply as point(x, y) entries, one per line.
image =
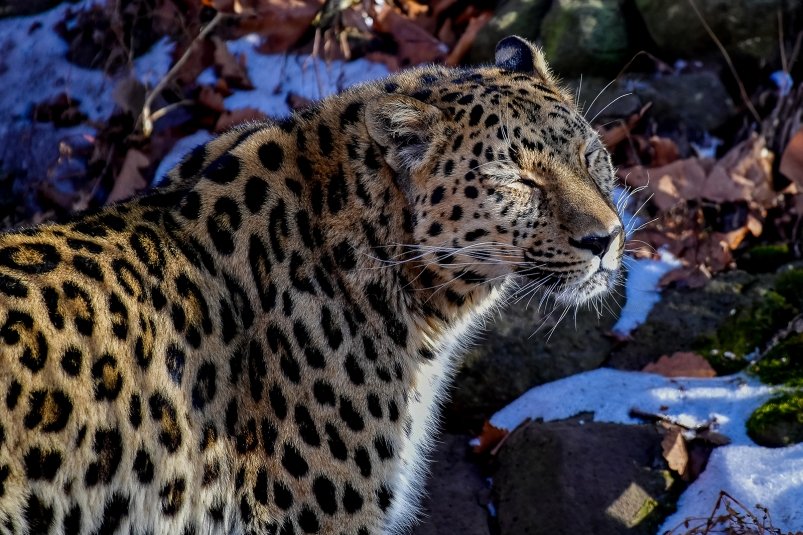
point(512, 17)
point(586, 36)
point(729, 349)
point(779, 422)
point(765, 258)
point(783, 364)
point(790, 285)
point(747, 28)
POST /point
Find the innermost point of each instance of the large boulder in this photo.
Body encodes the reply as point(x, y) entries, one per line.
point(456, 492)
point(582, 477)
point(697, 99)
point(519, 350)
point(19, 8)
point(512, 17)
point(746, 27)
point(586, 37)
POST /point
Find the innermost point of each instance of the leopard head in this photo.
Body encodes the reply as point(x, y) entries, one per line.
point(504, 176)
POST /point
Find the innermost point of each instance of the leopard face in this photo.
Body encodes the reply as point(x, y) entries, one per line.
point(505, 177)
point(259, 346)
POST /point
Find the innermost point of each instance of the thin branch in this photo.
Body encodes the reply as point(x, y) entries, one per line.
point(147, 117)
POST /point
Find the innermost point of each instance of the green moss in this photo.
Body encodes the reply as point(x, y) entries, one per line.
point(765, 258)
point(647, 508)
point(742, 334)
point(779, 422)
point(783, 364)
point(790, 285)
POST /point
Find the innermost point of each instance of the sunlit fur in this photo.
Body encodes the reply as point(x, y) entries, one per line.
point(261, 344)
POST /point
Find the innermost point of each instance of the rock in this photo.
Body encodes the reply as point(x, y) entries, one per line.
point(779, 422)
point(512, 17)
point(574, 477)
point(18, 8)
point(697, 99)
point(745, 27)
point(456, 492)
point(586, 36)
point(510, 357)
point(683, 311)
point(730, 319)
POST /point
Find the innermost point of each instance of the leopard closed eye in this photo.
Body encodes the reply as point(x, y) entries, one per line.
point(259, 345)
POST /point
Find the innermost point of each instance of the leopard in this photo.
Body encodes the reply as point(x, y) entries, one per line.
point(261, 344)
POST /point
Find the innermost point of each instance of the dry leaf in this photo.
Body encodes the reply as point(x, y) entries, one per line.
point(298, 102)
point(620, 130)
point(681, 364)
point(229, 67)
point(490, 437)
point(415, 45)
point(664, 151)
point(229, 119)
point(210, 98)
point(792, 159)
point(281, 23)
point(674, 449)
point(467, 39)
point(130, 180)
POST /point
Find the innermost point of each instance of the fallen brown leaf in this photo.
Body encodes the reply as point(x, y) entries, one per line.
point(673, 446)
point(664, 151)
point(210, 98)
point(792, 159)
point(230, 68)
point(130, 180)
point(229, 119)
point(463, 44)
point(681, 364)
point(415, 44)
point(489, 437)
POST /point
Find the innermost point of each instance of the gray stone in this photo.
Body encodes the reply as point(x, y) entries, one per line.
point(517, 352)
point(748, 27)
point(512, 17)
point(456, 492)
point(17, 8)
point(586, 36)
point(684, 316)
point(696, 99)
point(573, 477)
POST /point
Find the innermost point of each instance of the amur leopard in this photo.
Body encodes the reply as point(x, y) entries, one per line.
point(259, 346)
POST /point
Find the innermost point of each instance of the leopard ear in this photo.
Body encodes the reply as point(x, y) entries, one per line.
point(516, 54)
point(404, 129)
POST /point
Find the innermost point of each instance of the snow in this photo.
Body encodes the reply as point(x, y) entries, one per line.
point(275, 77)
point(642, 292)
point(750, 473)
point(753, 474)
point(34, 64)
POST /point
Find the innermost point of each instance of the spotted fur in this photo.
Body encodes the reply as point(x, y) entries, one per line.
point(258, 346)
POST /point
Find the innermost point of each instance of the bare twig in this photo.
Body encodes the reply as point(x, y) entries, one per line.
point(742, 90)
point(146, 116)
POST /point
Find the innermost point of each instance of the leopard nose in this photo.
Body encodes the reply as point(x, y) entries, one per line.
point(598, 245)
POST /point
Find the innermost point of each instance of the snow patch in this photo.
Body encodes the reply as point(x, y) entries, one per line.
point(771, 477)
point(275, 77)
point(642, 291)
point(750, 473)
point(39, 73)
